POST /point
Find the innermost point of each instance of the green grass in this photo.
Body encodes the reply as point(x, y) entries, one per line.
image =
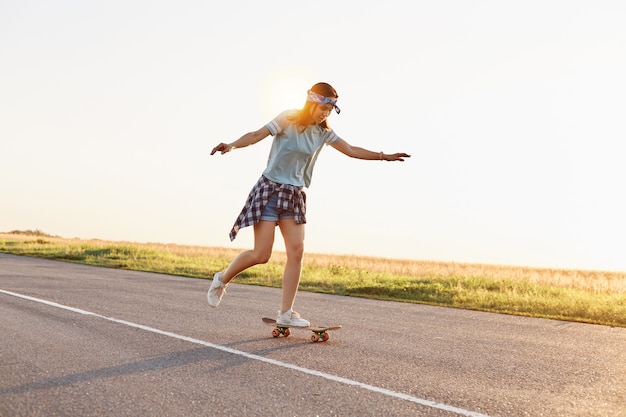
point(598, 298)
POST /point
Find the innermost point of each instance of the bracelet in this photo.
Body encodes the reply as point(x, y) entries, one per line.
point(381, 155)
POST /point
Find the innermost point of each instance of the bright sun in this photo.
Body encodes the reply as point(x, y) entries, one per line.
point(286, 91)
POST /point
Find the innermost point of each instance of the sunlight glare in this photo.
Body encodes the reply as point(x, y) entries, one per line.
point(286, 90)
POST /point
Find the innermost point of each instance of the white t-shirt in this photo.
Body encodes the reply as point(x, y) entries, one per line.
point(294, 153)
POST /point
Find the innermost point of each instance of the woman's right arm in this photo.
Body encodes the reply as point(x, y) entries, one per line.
point(249, 138)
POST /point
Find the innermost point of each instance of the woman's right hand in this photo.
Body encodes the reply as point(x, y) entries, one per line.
point(223, 148)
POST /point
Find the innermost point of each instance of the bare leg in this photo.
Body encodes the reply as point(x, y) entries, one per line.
point(293, 234)
point(260, 254)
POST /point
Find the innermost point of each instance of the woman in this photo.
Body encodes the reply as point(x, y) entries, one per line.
point(278, 197)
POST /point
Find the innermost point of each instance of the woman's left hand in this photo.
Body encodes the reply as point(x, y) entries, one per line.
point(396, 156)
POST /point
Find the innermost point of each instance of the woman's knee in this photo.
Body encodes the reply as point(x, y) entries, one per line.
point(295, 252)
point(262, 256)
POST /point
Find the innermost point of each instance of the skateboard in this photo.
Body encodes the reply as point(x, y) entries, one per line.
point(319, 333)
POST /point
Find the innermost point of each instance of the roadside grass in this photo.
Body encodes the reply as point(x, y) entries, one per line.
point(597, 297)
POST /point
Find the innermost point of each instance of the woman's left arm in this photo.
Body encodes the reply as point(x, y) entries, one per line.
point(360, 153)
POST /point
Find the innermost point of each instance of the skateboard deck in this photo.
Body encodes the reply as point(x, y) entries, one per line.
point(320, 333)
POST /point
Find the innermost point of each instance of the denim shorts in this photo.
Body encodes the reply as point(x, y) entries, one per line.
point(272, 213)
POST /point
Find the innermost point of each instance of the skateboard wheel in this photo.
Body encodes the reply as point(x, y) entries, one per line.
point(315, 337)
point(325, 337)
point(275, 332)
point(286, 332)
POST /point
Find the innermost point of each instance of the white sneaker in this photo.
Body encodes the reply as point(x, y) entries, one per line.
point(217, 290)
point(291, 319)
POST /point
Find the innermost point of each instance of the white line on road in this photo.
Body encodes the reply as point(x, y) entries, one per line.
point(335, 378)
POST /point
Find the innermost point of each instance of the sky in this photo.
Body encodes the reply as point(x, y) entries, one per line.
point(513, 113)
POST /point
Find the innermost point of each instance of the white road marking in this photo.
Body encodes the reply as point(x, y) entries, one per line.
point(330, 377)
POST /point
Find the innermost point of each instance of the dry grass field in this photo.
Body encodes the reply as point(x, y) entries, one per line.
point(588, 280)
point(578, 295)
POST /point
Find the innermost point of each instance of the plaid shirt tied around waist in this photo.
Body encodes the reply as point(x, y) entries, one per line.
point(290, 198)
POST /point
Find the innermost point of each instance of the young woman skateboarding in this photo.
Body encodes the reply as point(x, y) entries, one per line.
point(278, 198)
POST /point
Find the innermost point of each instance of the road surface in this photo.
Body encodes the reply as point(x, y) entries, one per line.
point(84, 341)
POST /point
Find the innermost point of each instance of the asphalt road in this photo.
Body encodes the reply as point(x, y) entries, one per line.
point(85, 341)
